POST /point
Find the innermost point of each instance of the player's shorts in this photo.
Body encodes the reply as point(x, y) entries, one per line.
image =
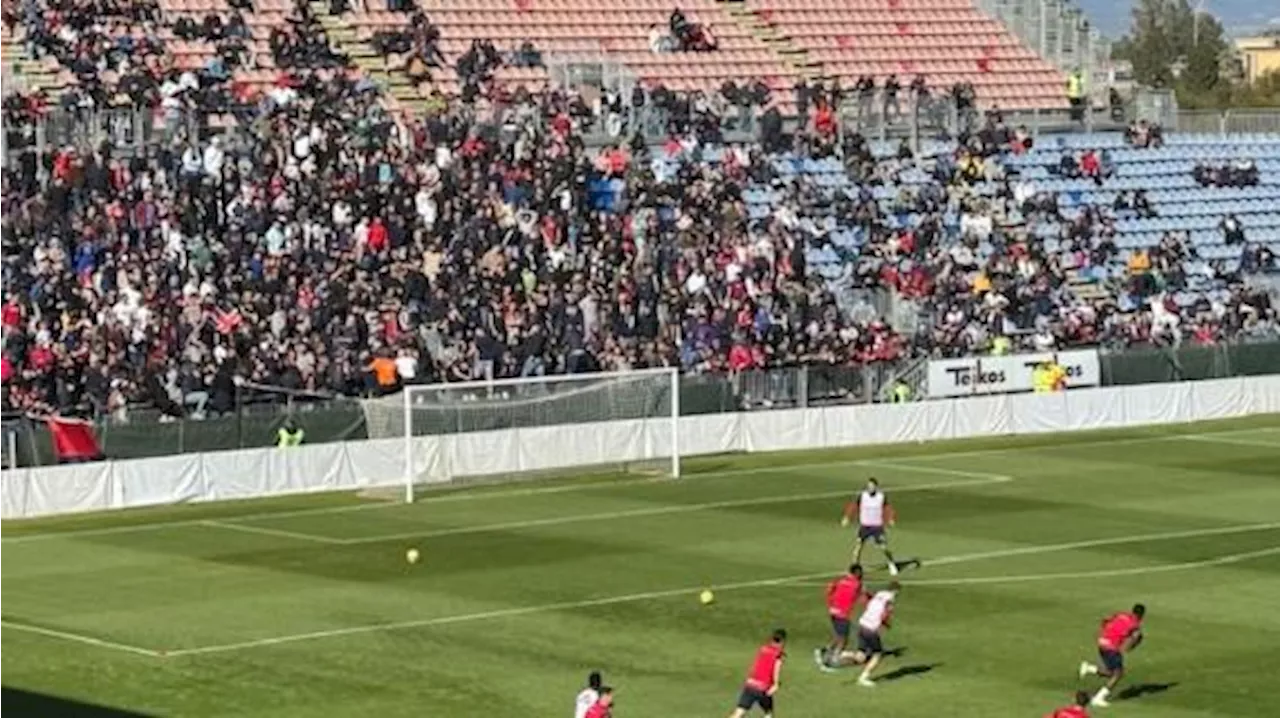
point(869, 642)
point(752, 697)
point(872, 533)
point(840, 626)
point(1111, 660)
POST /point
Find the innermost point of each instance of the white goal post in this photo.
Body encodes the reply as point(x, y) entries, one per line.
point(532, 425)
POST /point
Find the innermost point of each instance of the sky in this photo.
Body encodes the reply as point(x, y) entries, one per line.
point(1239, 16)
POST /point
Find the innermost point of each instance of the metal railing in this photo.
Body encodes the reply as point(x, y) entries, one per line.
point(143, 433)
point(1224, 122)
point(124, 128)
point(937, 116)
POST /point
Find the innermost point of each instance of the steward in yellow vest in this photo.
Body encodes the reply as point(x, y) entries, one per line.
point(289, 435)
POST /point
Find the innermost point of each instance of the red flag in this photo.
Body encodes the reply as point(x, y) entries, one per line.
point(73, 439)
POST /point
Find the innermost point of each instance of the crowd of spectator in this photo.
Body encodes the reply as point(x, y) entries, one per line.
point(330, 246)
point(1144, 134)
point(1243, 172)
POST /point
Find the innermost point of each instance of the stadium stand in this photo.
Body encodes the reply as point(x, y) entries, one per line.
point(324, 233)
point(428, 46)
point(947, 42)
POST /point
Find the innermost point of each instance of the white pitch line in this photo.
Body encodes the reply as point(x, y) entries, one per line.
point(1074, 444)
point(573, 487)
point(672, 510)
point(1101, 573)
point(77, 638)
point(446, 498)
point(668, 593)
point(901, 466)
point(1095, 543)
point(1236, 442)
point(268, 531)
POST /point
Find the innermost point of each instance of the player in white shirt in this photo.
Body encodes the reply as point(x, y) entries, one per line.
point(874, 515)
point(875, 619)
point(588, 696)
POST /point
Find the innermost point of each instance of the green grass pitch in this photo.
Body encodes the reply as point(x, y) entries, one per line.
point(307, 607)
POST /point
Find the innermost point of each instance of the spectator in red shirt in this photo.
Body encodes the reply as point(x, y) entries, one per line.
point(740, 358)
point(378, 238)
point(1091, 166)
point(824, 120)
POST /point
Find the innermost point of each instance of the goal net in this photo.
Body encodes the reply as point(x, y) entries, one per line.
point(533, 426)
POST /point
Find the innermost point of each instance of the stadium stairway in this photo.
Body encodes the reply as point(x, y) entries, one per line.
point(27, 72)
point(789, 53)
point(394, 84)
point(1085, 288)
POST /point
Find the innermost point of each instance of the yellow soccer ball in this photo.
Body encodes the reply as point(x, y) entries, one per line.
point(707, 597)
point(412, 555)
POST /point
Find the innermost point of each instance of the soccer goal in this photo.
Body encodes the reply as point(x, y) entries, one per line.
point(533, 426)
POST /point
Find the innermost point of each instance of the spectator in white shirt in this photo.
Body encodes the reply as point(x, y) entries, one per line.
point(659, 41)
point(588, 696)
point(407, 366)
point(214, 157)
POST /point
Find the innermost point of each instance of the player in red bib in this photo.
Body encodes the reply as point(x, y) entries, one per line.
point(603, 707)
point(842, 595)
point(1121, 633)
point(1075, 710)
point(762, 681)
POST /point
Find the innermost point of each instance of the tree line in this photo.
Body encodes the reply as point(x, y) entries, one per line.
point(1175, 45)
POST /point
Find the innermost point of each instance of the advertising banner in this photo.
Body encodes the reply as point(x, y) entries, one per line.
point(1007, 374)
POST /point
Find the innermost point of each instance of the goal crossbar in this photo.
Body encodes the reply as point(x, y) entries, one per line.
point(483, 396)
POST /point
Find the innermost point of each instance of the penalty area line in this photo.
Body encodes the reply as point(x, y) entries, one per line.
point(80, 638)
point(984, 480)
point(1100, 573)
point(268, 531)
point(781, 581)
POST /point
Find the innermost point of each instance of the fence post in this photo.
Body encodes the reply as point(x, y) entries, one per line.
point(802, 387)
point(1222, 123)
point(915, 127)
point(239, 417)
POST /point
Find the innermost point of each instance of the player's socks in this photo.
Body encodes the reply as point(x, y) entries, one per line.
point(1087, 669)
point(1100, 698)
point(866, 682)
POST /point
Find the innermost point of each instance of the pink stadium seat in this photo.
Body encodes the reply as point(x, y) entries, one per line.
point(616, 28)
point(947, 40)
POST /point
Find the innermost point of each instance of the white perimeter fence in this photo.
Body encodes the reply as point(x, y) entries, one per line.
point(255, 473)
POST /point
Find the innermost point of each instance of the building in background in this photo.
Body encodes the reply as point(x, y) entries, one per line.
point(1258, 56)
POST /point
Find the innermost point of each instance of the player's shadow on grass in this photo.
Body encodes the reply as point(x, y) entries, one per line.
point(1144, 689)
point(17, 702)
point(908, 671)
